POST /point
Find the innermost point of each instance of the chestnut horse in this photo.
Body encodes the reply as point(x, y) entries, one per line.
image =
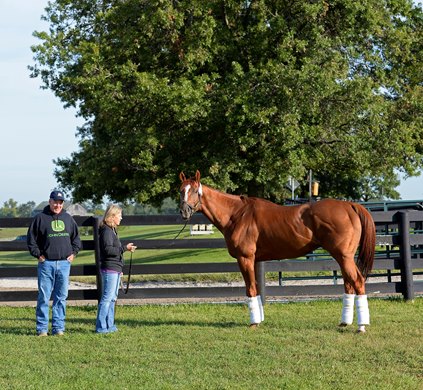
point(257, 230)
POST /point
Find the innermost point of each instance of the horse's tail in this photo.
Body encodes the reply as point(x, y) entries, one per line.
point(366, 253)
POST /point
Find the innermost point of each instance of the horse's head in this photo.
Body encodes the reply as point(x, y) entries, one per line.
point(190, 195)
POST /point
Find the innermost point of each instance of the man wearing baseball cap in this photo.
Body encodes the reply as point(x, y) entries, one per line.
point(53, 239)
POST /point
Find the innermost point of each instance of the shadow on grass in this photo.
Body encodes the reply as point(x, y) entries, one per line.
point(168, 234)
point(25, 330)
point(150, 323)
point(73, 327)
point(19, 328)
point(175, 255)
point(158, 323)
point(144, 236)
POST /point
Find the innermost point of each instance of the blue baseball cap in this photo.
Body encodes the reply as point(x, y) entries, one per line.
point(57, 195)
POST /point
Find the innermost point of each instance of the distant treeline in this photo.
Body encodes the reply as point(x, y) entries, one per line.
point(12, 209)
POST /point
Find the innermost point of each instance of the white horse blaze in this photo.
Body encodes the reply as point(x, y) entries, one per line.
point(187, 188)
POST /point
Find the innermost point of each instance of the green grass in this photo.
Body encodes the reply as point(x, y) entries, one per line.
point(207, 346)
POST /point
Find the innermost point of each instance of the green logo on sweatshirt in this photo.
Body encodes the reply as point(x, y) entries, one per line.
point(57, 225)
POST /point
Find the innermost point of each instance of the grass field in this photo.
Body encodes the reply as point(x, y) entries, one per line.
point(206, 346)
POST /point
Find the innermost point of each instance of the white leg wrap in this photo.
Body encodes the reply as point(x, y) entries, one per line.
point(363, 315)
point(254, 308)
point(347, 309)
point(261, 308)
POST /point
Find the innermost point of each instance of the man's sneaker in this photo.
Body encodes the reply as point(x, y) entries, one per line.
point(60, 333)
point(42, 334)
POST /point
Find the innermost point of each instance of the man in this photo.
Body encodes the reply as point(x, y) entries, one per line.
point(53, 239)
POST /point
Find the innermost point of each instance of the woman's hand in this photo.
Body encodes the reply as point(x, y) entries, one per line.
point(131, 247)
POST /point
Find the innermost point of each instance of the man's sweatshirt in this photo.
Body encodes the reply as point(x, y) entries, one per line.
point(53, 235)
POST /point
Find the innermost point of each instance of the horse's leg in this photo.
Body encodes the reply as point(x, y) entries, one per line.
point(363, 314)
point(347, 315)
point(354, 283)
point(255, 306)
point(256, 270)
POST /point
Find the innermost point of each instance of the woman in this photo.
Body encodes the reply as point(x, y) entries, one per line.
point(111, 264)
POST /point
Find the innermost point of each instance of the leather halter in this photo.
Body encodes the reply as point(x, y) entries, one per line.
point(194, 208)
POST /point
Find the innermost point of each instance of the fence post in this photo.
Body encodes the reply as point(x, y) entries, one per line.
point(405, 254)
point(96, 225)
point(261, 280)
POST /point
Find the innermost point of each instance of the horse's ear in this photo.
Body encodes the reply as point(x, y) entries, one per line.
point(182, 176)
point(197, 176)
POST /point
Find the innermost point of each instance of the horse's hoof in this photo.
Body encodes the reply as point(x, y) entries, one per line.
point(361, 329)
point(254, 326)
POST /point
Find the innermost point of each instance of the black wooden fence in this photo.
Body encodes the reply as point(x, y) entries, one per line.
point(400, 237)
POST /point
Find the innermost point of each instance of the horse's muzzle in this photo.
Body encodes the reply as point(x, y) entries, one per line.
point(186, 211)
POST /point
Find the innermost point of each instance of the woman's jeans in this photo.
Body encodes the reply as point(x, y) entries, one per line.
point(106, 308)
point(53, 278)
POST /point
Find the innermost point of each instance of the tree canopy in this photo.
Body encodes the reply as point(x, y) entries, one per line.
point(248, 92)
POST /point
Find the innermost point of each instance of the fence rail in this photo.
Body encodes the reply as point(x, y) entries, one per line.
point(396, 229)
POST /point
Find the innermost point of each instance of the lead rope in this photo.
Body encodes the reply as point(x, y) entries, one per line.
point(125, 291)
point(182, 229)
point(189, 219)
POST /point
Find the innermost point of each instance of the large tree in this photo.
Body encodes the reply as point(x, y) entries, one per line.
point(249, 92)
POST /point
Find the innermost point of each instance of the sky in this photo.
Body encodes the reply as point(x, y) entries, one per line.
point(35, 128)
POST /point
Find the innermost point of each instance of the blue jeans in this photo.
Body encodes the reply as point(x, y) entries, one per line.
point(106, 308)
point(53, 278)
